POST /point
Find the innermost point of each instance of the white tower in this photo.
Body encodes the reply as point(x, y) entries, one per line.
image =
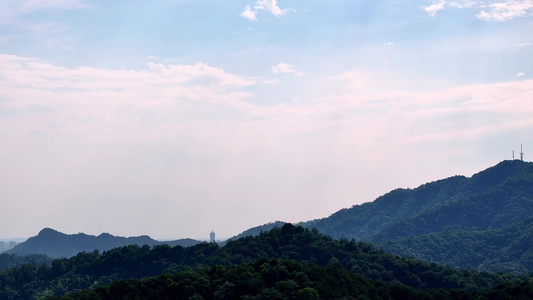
point(521, 153)
point(212, 236)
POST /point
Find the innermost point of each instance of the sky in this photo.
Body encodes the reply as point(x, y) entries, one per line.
point(176, 118)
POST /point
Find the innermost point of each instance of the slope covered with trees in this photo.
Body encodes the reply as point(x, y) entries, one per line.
point(12, 260)
point(284, 280)
point(496, 197)
point(423, 222)
point(364, 221)
point(256, 230)
point(502, 204)
point(261, 279)
point(90, 270)
point(508, 249)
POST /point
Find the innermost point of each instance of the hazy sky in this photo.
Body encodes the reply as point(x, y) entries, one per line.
point(175, 118)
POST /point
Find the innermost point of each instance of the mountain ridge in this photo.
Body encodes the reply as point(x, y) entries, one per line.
point(57, 244)
point(368, 221)
point(499, 196)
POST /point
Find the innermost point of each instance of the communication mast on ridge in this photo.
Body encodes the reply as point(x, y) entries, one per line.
point(521, 153)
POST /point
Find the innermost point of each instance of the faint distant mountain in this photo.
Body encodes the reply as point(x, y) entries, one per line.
point(56, 244)
point(181, 242)
point(6, 245)
point(471, 212)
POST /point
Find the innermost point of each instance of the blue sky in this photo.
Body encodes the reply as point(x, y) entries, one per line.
point(175, 118)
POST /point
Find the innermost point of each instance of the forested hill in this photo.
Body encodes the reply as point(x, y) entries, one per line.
point(507, 249)
point(56, 244)
point(493, 198)
point(273, 279)
point(470, 211)
point(300, 249)
point(256, 230)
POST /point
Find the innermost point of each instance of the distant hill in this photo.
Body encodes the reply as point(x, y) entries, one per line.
point(56, 244)
point(181, 242)
point(492, 199)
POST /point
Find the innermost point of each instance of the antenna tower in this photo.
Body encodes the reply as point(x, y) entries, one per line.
point(521, 153)
point(513, 154)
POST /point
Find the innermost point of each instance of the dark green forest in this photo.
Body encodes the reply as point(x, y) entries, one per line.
point(284, 280)
point(12, 260)
point(305, 249)
point(508, 249)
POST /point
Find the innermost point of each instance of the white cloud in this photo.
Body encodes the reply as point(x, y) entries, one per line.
point(268, 5)
point(285, 69)
point(27, 82)
point(388, 44)
point(198, 82)
point(525, 44)
point(520, 74)
point(249, 14)
point(488, 10)
point(464, 4)
point(434, 8)
point(507, 10)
